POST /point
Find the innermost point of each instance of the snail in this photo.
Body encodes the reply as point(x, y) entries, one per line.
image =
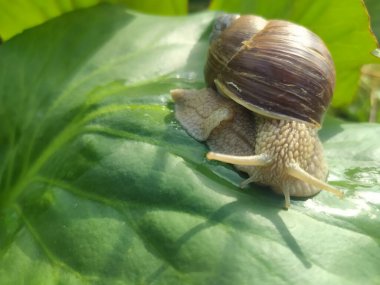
point(269, 85)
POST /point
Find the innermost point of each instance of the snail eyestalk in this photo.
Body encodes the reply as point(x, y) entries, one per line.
point(253, 160)
point(177, 94)
point(297, 172)
point(244, 183)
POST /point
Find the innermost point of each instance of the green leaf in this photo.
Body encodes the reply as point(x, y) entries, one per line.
point(16, 16)
point(166, 7)
point(373, 7)
point(100, 185)
point(343, 25)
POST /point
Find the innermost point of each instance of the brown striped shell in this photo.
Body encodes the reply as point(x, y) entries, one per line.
point(275, 68)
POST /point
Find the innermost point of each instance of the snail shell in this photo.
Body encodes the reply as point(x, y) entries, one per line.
point(274, 68)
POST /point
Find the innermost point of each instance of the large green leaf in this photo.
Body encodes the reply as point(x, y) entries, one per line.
point(343, 25)
point(16, 16)
point(100, 185)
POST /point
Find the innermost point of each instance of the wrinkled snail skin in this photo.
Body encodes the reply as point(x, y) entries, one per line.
point(225, 126)
point(280, 77)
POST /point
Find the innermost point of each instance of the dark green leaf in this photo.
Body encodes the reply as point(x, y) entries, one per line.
point(373, 7)
point(166, 7)
point(100, 185)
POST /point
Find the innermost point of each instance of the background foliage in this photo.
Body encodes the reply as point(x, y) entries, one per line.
point(15, 16)
point(373, 7)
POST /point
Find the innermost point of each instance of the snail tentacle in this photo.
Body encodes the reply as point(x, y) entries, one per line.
point(247, 181)
point(297, 172)
point(252, 160)
point(287, 198)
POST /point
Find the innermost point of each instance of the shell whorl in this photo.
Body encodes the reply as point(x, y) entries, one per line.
point(275, 68)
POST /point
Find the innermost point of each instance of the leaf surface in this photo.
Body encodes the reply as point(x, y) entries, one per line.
point(100, 185)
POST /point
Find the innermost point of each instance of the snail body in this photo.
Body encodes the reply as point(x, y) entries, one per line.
point(273, 80)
